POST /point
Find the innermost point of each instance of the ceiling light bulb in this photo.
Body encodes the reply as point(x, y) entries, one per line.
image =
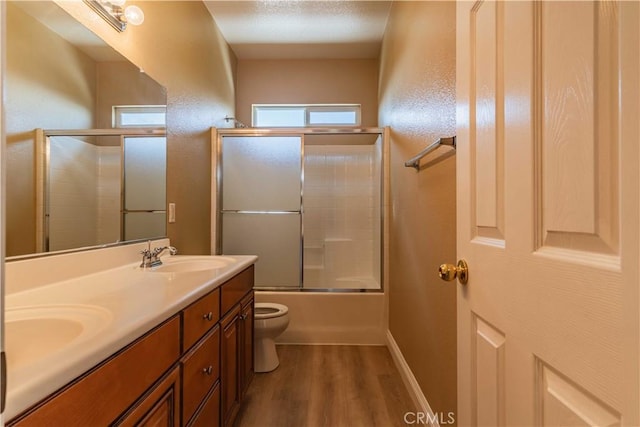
point(134, 15)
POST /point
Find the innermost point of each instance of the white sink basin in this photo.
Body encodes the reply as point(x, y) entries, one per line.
point(34, 332)
point(188, 263)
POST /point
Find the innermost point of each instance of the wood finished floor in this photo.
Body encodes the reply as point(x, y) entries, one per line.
point(330, 386)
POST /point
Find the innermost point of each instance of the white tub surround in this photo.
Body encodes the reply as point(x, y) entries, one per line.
point(107, 293)
point(331, 317)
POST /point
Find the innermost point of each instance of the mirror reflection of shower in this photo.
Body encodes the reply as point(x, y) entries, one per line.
point(98, 187)
point(309, 204)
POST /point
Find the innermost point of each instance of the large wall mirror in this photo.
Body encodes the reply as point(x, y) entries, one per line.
point(86, 148)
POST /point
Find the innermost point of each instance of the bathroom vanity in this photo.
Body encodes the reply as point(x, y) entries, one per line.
point(178, 342)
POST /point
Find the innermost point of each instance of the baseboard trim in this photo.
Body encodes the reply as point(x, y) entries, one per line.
point(409, 380)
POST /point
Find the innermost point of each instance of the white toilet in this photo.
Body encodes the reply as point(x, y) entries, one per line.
point(270, 321)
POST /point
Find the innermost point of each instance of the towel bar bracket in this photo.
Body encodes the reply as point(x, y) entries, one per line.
point(414, 162)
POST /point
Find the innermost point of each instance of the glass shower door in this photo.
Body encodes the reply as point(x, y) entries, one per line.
point(144, 187)
point(261, 194)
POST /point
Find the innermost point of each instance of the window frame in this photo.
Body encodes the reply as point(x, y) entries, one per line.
point(117, 110)
point(308, 109)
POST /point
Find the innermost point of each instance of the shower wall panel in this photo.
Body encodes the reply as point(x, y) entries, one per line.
point(341, 216)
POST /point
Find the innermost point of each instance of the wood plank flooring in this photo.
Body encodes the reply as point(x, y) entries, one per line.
point(330, 386)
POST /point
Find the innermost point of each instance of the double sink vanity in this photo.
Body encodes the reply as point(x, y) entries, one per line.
point(94, 339)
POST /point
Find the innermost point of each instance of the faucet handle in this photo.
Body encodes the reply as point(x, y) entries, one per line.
point(146, 258)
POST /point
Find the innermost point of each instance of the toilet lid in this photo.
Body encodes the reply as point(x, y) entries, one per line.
point(266, 310)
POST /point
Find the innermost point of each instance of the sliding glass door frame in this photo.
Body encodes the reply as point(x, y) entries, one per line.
point(217, 184)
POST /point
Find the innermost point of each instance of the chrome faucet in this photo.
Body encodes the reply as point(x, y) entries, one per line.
point(151, 257)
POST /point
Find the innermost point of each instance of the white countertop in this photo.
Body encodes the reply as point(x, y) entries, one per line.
point(128, 300)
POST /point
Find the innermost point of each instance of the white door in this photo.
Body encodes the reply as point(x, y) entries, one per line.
point(548, 185)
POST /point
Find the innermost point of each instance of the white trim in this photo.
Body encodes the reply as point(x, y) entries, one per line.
point(409, 380)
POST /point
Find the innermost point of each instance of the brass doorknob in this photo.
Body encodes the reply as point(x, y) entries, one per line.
point(449, 272)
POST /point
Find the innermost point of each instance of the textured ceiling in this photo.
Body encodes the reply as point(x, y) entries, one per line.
point(303, 28)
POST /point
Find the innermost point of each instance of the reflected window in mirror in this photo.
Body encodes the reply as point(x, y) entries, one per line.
point(131, 116)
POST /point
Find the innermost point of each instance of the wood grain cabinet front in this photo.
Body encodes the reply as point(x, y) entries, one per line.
point(229, 363)
point(208, 414)
point(246, 343)
point(199, 317)
point(158, 407)
point(236, 346)
point(201, 370)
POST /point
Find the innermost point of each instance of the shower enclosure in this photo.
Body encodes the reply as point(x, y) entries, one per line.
point(307, 201)
point(99, 186)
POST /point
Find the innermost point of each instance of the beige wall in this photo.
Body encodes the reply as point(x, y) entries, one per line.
point(58, 94)
point(121, 83)
point(308, 81)
point(417, 99)
point(179, 46)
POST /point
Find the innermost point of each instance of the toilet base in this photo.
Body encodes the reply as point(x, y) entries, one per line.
point(265, 355)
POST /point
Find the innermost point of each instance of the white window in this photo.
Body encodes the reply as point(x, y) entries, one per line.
point(130, 116)
point(312, 115)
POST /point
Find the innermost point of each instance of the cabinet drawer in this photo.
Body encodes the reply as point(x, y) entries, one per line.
point(209, 413)
point(199, 317)
point(236, 288)
point(101, 395)
point(201, 369)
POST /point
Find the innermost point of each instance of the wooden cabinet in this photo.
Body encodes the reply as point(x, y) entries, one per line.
point(237, 343)
point(246, 343)
point(201, 363)
point(190, 371)
point(200, 372)
point(200, 317)
point(158, 407)
point(209, 413)
point(229, 363)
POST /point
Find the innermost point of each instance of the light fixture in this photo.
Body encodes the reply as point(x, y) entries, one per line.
point(116, 13)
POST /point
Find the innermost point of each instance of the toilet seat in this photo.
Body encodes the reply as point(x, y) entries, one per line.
point(269, 310)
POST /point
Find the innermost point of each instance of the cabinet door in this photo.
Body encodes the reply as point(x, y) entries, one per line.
point(209, 414)
point(246, 344)
point(229, 365)
point(159, 407)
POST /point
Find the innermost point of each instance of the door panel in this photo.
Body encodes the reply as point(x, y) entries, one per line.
point(255, 234)
point(487, 120)
point(261, 173)
point(561, 402)
point(577, 142)
point(548, 218)
point(489, 359)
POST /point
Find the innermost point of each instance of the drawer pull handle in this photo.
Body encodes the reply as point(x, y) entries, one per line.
point(208, 316)
point(208, 370)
